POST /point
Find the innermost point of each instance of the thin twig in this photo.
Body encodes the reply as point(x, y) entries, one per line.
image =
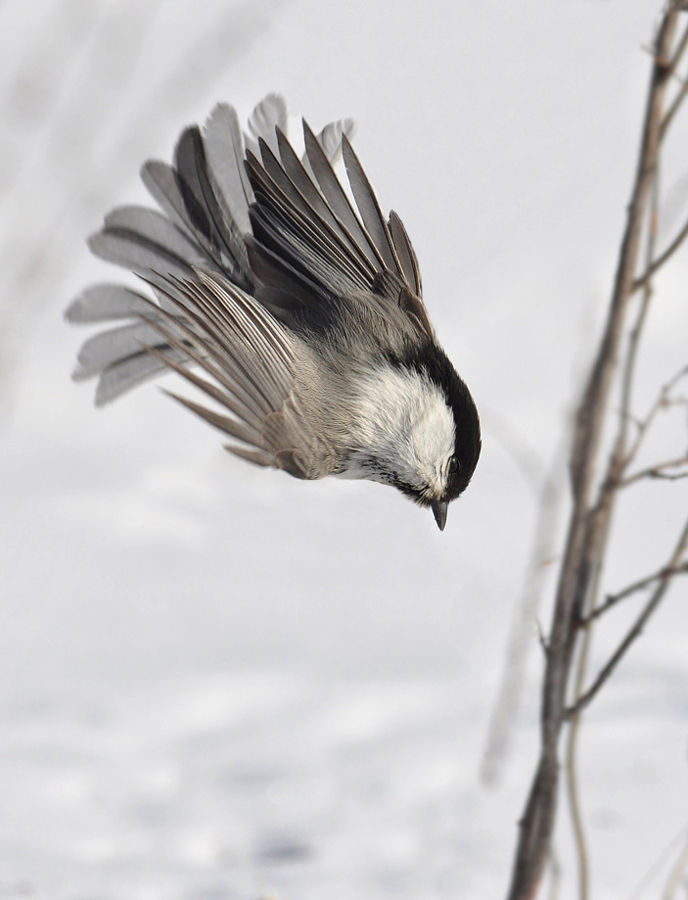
point(542, 640)
point(571, 769)
point(571, 759)
point(678, 100)
point(662, 401)
point(681, 46)
point(675, 106)
point(658, 471)
point(636, 587)
point(636, 630)
point(620, 458)
point(661, 259)
point(602, 515)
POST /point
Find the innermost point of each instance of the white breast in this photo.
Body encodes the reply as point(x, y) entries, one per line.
point(403, 422)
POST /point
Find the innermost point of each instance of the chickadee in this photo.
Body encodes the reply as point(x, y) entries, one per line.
point(302, 310)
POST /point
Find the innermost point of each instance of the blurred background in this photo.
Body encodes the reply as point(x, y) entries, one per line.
point(216, 681)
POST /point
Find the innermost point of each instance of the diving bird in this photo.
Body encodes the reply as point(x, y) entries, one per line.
point(294, 305)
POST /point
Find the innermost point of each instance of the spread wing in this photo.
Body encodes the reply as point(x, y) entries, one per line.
point(203, 221)
point(251, 361)
point(243, 254)
point(309, 243)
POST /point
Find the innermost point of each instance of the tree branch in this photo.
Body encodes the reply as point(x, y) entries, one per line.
point(681, 46)
point(663, 257)
point(636, 587)
point(636, 630)
point(680, 97)
point(581, 558)
point(662, 401)
point(658, 471)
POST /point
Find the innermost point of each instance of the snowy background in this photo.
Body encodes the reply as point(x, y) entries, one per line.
point(218, 683)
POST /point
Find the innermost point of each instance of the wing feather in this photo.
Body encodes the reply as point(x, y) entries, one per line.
point(252, 360)
point(230, 365)
point(233, 427)
point(224, 149)
point(369, 208)
point(103, 349)
point(125, 374)
point(196, 351)
point(252, 248)
point(307, 225)
point(269, 114)
point(405, 254)
point(321, 213)
point(226, 242)
point(102, 302)
point(156, 229)
point(258, 457)
point(330, 138)
point(161, 182)
point(145, 241)
point(224, 398)
point(334, 194)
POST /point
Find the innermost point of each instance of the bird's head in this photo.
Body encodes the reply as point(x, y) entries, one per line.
point(445, 447)
point(420, 431)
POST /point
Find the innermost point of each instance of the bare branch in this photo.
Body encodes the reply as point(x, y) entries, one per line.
point(585, 534)
point(571, 761)
point(656, 264)
point(680, 50)
point(662, 401)
point(675, 106)
point(663, 257)
point(666, 477)
point(620, 459)
point(637, 586)
point(679, 98)
point(636, 630)
point(542, 640)
point(658, 471)
point(571, 769)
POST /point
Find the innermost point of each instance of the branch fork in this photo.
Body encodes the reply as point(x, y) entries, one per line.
point(594, 495)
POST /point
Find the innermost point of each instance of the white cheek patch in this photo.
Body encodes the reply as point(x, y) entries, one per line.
point(404, 422)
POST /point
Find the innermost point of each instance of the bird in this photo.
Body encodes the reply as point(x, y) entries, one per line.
point(290, 302)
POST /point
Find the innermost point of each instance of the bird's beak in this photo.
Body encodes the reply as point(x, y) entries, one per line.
point(439, 511)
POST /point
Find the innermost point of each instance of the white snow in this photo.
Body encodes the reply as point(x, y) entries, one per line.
point(218, 683)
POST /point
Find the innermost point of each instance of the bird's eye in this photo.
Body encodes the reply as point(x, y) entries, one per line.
point(454, 465)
